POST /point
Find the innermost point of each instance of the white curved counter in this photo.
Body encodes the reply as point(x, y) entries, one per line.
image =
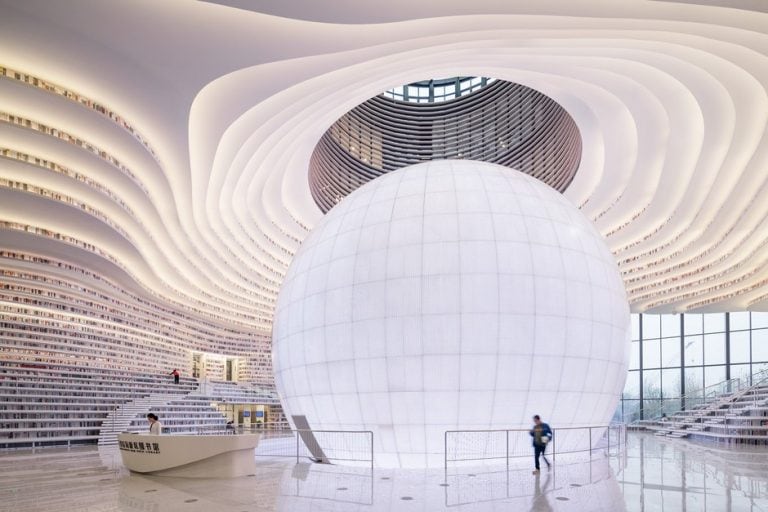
point(190, 456)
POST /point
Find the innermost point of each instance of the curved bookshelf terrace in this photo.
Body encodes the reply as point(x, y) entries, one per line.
point(58, 313)
point(91, 318)
point(50, 404)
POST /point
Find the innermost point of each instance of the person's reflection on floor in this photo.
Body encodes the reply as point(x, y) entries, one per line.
point(540, 503)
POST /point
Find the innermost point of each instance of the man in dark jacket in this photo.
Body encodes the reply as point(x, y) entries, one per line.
point(541, 434)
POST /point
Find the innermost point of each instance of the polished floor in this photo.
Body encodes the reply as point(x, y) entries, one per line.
point(652, 474)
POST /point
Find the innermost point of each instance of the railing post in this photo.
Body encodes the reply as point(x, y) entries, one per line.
point(554, 447)
point(609, 440)
point(297, 446)
point(506, 433)
point(445, 456)
point(590, 443)
point(371, 453)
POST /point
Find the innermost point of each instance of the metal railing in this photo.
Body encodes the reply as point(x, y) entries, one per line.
point(749, 407)
point(232, 429)
point(710, 394)
point(349, 446)
point(751, 398)
point(696, 399)
point(756, 379)
point(502, 446)
point(699, 398)
point(347, 486)
point(705, 401)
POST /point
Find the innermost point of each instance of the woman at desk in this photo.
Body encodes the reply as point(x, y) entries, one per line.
point(155, 427)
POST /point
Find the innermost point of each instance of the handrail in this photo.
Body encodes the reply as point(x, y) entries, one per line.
point(744, 387)
point(758, 379)
point(324, 443)
point(762, 376)
point(589, 447)
point(696, 397)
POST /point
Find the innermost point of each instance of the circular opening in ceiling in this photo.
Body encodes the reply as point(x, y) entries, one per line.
point(465, 118)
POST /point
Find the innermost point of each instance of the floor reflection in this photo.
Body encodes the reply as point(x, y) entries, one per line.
point(651, 475)
point(667, 475)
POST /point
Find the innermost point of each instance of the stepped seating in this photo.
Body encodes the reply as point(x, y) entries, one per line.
point(246, 393)
point(232, 392)
point(184, 416)
point(45, 404)
point(121, 418)
point(197, 413)
point(732, 417)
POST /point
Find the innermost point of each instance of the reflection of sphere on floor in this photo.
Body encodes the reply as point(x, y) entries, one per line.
point(450, 295)
point(588, 485)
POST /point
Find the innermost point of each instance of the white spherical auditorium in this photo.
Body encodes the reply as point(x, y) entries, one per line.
point(450, 295)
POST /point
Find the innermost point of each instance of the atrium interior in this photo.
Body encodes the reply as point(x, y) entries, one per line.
point(384, 256)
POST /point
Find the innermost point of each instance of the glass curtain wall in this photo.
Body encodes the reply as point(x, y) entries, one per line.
point(677, 356)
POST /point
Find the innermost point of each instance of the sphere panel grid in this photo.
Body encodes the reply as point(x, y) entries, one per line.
point(437, 298)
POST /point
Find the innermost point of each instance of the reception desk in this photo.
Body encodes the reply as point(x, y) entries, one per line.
point(191, 456)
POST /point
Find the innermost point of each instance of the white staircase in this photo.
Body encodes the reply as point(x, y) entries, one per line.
point(121, 418)
point(46, 404)
point(732, 416)
point(695, 422)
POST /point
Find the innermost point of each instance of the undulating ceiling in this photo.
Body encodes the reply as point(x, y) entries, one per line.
point(166, 146)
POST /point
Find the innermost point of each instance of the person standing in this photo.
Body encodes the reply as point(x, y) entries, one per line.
point(155, 427)
point(541, 434)
point(175, 374)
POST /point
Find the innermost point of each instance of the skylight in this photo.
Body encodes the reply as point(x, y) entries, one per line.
point(437, 90)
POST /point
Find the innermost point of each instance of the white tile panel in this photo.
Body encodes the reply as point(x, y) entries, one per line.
point(478, 331)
